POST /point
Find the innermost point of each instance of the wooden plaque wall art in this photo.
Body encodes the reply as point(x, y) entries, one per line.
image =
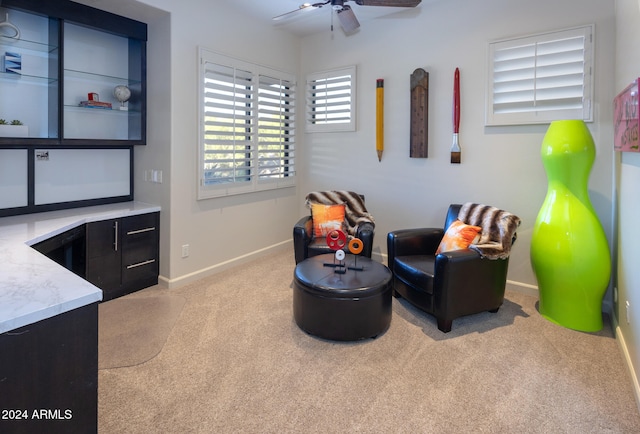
point(419, 114)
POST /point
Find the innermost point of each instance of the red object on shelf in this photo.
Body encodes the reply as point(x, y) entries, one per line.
point(626, 119)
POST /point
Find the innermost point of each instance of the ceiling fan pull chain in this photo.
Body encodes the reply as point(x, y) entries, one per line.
point(332, 12)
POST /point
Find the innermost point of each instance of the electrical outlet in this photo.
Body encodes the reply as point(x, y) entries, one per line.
point(153, 175)
point(627, 306)
point(185, 250)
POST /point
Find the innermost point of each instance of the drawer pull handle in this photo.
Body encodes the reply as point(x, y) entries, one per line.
point(115, 236)
point(139, 231)
point(140, 264)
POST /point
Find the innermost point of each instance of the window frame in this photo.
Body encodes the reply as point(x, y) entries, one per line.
point(557, 107)
point(214, 135)
point(337, 77)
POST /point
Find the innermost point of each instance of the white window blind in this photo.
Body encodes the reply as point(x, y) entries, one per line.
point(276, 128)
point(331, 101)
point(541, 78)
point(247, 125)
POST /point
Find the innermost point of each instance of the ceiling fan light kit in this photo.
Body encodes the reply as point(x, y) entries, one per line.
point(345, 14)
point(348, 19)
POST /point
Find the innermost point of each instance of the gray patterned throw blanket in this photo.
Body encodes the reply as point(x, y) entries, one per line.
point(498, 229)
point(355, 212)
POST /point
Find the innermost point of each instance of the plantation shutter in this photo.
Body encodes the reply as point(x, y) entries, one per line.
point(228, 123)
point(331, 100)
point(541, 78)
point(247, 127)
point(276, 128)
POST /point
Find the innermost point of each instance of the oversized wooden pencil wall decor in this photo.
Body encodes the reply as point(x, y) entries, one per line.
point(418, 147)
point(379, 117)
point(455, 147)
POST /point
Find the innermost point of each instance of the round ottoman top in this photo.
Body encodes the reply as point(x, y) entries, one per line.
point(314, 276)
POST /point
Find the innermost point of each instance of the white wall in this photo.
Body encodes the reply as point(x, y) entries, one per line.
point(628, 175)
point(501, 166)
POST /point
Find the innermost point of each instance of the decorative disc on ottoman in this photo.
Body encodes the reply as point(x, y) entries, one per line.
point(356, 246)
point(340, 255)
point(336, 239)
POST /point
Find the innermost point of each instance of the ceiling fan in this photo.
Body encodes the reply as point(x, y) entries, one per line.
point(345, 14)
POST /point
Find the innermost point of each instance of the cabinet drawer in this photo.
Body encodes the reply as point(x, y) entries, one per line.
point(140, 225)
point(140, 237)
point(140, 275)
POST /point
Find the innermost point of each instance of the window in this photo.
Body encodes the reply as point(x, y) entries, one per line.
point(247, 127)
point(331, 101)
point(541, 78)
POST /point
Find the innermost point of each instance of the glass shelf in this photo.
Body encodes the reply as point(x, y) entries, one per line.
point(115, 111)
point(93, 77)
point(26, 78)
point(27, 45)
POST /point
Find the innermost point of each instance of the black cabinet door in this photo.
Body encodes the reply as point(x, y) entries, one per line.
point(104, 255)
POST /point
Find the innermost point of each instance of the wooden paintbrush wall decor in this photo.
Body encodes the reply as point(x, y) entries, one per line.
point(419, 114)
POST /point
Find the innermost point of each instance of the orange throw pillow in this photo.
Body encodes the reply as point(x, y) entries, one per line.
point(326, 218)
point(459, 236)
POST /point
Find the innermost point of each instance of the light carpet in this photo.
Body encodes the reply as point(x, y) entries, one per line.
point(133, 330)
point(236, 362)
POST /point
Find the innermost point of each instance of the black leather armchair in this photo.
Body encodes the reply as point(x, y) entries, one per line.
point(305, 245)
point(448, 285)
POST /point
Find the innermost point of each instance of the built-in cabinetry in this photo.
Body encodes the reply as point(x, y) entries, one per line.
point(122, 254)
point(60, 65)
point(50, 374)
point(119, 256)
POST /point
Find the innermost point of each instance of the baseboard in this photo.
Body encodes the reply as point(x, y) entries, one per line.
point(628, 362)
point(523, 288)
point(217, 268)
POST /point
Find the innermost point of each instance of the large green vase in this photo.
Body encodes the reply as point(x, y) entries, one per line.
point(569, 250)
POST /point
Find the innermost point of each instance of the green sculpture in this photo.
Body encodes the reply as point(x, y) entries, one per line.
point(569, 251)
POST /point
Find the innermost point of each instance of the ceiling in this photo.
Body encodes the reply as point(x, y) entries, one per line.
point(306, 22)
point(312, 20)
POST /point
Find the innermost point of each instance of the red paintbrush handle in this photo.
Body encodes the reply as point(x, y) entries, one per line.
point(456, 101)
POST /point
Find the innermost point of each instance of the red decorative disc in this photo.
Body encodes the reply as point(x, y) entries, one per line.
point(336, 239)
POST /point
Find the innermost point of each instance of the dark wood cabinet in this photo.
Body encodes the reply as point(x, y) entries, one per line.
point(103, 256)
point(49, 374)
point(122, 254)
point(119, 256)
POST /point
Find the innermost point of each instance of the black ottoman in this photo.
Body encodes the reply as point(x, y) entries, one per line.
point(345, 307)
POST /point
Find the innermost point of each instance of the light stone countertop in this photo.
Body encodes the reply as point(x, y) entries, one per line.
point(32, 286)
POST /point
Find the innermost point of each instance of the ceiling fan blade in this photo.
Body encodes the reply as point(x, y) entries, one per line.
point(302, 8)
point(393, 3)
point(348, 19)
